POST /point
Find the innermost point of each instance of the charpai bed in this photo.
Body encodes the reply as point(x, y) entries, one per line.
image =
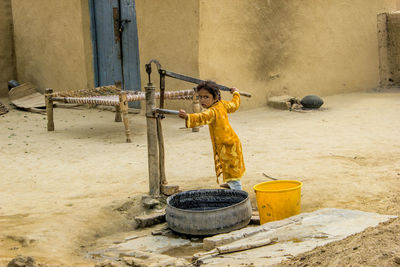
point(107, 96)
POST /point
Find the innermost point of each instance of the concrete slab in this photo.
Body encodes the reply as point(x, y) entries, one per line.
point(153, 244)
point(292, 236)
point(308, 231)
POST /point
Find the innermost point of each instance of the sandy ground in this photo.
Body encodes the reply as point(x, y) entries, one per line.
point(61, 190)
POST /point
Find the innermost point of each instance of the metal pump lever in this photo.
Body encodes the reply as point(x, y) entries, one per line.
point(198, 81)
point(166, 111)
point(182, 77)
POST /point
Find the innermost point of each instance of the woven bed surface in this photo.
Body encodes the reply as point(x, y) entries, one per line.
point(98, 91)
point(109, 95)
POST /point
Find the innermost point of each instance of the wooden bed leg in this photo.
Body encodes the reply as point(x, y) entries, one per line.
point(118, 114)
point(124, 108)
point(118, 85)
point(49, 109)
point(196, 109)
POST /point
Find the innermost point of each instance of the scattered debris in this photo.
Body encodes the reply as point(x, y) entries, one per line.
point(22, 261)
point(3, 109)
point(107, 263)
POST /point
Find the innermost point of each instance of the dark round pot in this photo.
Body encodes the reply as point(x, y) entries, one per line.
point(311, 102)
point(208, 211)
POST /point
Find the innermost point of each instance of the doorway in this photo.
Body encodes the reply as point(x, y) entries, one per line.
point(115, 44)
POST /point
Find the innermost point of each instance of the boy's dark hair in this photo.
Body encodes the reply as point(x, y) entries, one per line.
point(211, 87)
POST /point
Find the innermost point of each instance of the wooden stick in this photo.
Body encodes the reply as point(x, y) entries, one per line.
point(124, 108)
point(272, 178)
point(200, 257)
point(152, 148)
point(161, 154)
point(196, 109)
point(49, 109)
point(243, 246)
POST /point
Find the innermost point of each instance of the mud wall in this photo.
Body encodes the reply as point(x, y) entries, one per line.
point(169, 31)
point(293, 47)
point(266, 47)
point(52, 43)
point(7, 59)
point(389, 48)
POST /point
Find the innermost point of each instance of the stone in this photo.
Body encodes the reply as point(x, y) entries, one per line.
point(150, 220)
point(255, 220)
point(169, 190)
point(283, 102)
point(149, 202)
point(22, 261)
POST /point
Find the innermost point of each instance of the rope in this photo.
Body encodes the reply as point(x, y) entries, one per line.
point(113, 100)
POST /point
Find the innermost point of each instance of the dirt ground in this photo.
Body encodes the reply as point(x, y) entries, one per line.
point(65, 191)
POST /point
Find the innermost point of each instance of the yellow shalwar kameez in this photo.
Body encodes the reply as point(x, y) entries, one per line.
point(228, 156)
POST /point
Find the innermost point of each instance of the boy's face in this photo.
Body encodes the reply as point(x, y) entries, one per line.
point(206, 98)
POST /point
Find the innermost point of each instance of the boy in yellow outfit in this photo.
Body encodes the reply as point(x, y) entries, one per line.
point(228, 156)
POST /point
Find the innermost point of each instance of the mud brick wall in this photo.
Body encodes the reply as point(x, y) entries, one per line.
point(7, 59)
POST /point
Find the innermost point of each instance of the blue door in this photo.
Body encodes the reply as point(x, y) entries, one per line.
point(115, 43)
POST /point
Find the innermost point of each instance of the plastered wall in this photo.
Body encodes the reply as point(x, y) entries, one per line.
point(294, 47)
point(52, 43)
point(7, 60)
point(266, 47)
point(169, 31)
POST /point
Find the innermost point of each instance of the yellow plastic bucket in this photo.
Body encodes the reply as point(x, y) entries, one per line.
point(277, 200)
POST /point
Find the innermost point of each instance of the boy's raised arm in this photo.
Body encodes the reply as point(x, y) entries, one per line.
point(233, 105)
